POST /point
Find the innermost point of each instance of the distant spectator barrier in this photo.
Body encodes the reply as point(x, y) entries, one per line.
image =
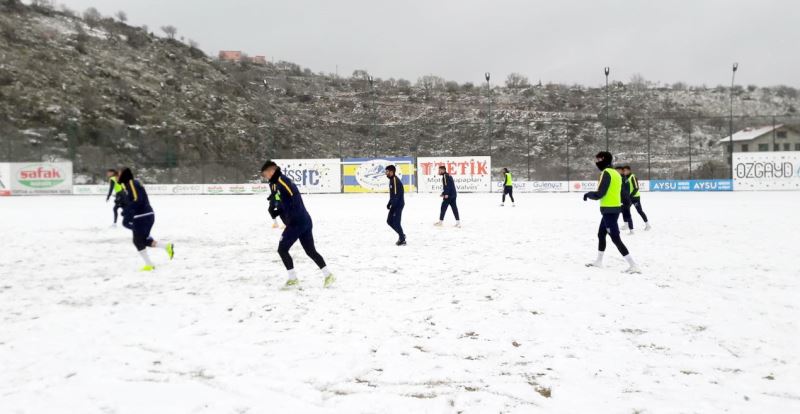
point(471, 174)
point(367, 175)
point(766, 171)
point(31, 178)
point(314, 175)
point(691, 185)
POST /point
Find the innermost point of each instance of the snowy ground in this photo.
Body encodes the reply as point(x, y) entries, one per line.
point(499, 316)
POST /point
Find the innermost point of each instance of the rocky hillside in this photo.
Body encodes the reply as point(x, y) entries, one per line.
point(103, 93)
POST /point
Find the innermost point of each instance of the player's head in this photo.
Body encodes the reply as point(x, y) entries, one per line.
point(390, 171)
point(111, 173)
point(505, 170)
point(268, 169)
point(442, 170)
point(626, 169)
point(619, 169)
point(126, 175)
point(603, 160)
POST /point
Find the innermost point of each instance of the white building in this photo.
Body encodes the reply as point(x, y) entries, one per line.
point(768, 138)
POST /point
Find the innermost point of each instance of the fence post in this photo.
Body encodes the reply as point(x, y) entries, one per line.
point(528, 146)
point(648, 151)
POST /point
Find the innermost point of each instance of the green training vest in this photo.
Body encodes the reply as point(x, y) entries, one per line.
point(117, 185)
point(632, 180)
point(508, 179)
point(613, 197)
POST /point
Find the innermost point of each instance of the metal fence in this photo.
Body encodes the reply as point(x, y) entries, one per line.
point(540, 149)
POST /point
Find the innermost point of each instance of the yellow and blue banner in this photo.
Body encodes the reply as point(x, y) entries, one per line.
point(367, 175)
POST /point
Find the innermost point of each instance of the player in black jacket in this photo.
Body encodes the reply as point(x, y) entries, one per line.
point(396, 204)
point(139, 216)
point(449, 195)
point(298, 222)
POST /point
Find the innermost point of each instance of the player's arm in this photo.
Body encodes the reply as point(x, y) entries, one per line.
point(602, 188)
point(110, 189)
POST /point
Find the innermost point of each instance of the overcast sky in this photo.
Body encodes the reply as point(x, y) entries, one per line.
point(564, 41)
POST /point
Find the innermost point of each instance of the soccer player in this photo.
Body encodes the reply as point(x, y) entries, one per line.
point(508, 187)
point(609, 192)
point(636, 199)
point(626, 200)
point(138, 216)
point(119, 193)
point(448, 195)
point(298, 224)
point(396, 204)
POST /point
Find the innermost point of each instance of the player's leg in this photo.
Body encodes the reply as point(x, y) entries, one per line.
point(511, 193)
point(141, 239)
point(442, 211)
point(454, 206)
point(611, 220)
point(288, 238)
point(602, 232)
point(398, 226)
point(307, 241)
point(638, 204)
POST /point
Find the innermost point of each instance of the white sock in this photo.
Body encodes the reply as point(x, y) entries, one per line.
point(292, 274)
point(629, 259)
point(146, 257)
point(600, 257)
point(325, 271)
point(165, 245)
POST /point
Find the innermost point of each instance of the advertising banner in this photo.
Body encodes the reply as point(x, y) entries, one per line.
point(5, 179)
point(471, 174)
point(535, 186)
point(582, 186)
point(41, 178)
point(367, 175)
point(313, 175)
point(766, 170)
point(691, 185)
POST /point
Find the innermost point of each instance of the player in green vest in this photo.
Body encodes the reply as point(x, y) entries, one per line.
point(118, 190)
point(636, 198)
point(508, 187)
point(609, 193)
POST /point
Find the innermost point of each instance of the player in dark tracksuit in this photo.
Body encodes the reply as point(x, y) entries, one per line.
point(298, 222)
point(508, 187)
point(396, 204)
point(609, 193)
point(449, 195)
point(139, 217)
point(636, 198)
point(114, 187)
point(626, 200)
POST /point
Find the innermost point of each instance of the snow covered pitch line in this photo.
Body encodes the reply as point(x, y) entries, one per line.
point(498, 316)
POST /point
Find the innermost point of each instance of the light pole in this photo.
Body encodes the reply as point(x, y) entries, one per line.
point(734, 68)
point(607, 70)
point(374, 114)
point(488, 76)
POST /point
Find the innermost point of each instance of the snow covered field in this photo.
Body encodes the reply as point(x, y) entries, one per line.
point(498, 316)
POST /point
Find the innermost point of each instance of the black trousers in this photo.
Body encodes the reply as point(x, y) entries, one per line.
point(451, 202)
point(141, 231)
point(609, 227)
point(637, 202)
point(626, 214)
point(119, 199)
point(293, 233)
point(394, 218)
point(507, 189)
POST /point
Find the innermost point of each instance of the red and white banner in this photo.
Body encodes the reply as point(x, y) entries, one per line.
point(471, 174)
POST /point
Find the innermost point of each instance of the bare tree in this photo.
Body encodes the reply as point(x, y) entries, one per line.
point(517, 80)
point(92, 17)
point(170, 31)
point(193, 44)
point(122, 16)
point(360, 74)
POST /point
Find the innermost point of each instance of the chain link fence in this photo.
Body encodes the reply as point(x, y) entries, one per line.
point(536, 150)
